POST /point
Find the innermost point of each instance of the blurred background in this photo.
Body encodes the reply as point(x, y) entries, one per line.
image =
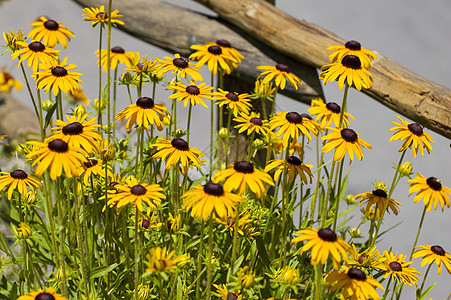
point(413, 33)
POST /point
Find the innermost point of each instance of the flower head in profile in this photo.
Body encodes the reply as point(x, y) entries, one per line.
point(292, 125)
point(50, 32)
point(263, 91)
point(35, 53)
point(144, 112)
point(430, 190)
point(23, 232)
point(236, 103)
point(328, 112)
point(243, 175)
point(159, 260)
point(434, 254)
point(396, 266)
point(323, 243)
point(11, 38)
point(379, 198)
point(413, 135)
point(18, 180)
point(117, 55)
point(348, 70)
point(355, 283)
point(368, 258)
point(352, 48)
point(98, 15)
point(294, 166)
point(94, 168)
point(345, 141)
point(210, 200)
point(141, 65)
point(225, 294)
point(245, 224)
point(48, 294)
point(192, 93)
point(228, 50)
point(179, 65)
point(177, 151)
point(280, 73)
point(251, 123)
point(8, 82)
point(214, 57)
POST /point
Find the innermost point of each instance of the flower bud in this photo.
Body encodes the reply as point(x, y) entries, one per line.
point(246, 277)
point(47, 105)
point(381, 186)
point(79, 110)
point(223, 133)
point(350, 199)
point(23, 231)
point(405, 169)
point(355, 232)
point(143, 292)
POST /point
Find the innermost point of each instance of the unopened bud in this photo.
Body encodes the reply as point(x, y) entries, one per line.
point(405, 169)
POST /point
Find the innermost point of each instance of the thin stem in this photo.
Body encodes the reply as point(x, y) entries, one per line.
point(337, 199)
point(188, 125)
point(418, 232)
point(211, 129)
point(84, 271)
point(424, 278)
point(199, 260)
point(327, 198)
point(386, 288)
point(136, 254)
point(99, 116)
point(210, 253)
point(235, 240)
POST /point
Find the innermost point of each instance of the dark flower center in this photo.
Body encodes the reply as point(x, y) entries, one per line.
point(44, 296)
point(327, 234)
point(349, 135)
point(118, 49)
point(380, 193)
point(74, 128)
point(180, 144)
point(18, 174)
point(213, 189)
point(361, 259)
point(215, 50)
point(224, 43)
point(293, 160)
point(293, 117)
point(306, 116)
point(145, 224)
point(140, 66)
point(51, 25)
point(415, 128)
point(58, 145)
point(59, 72)
point(192, 90)
point(36, 47)
point(145, 103)
point(434, 184)
point(357, 274)
point(283, 68)
point(333, 107)
point(138, 190)
point(353, 45)
point(438, 250)
point(102, 15)
point(395, 266)
point(351, 61)
point(256, 121)
point(90, 163)
point(232, 97)
point(244, 167)
point(230, 221)
point(180, 63)
point(232, 296)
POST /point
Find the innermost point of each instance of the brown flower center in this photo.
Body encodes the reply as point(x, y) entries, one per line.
point(102, 15)
point(415, 128)
point(230, 221)
point(349, 135)
point(306, 116)
point(180, 144)
point(351, 61)
point(357, 274)
point(244, 167)
point(138, 190)
point(232, 97)
point(215, 50)
point(224, 43)
point(44, 296)
point(256, 121)
point(145, 223)
point(118, 49)
point(395, 266)
point(140, 66)
point(59, 72)
point(353, 45)
point(232, 296)
point(333, 107)
point(74, 128)
point(180, 63)
point(214, 189)
point(293, 117)
point(327, 234)
point(58, 145)
point(380, 193)
point(145, 103)
point(90, 163)
point(438, 250)
point(283, 68)
point(18, 174)
point(36, 47)
point(434, 183)
point(361, 258)
point(293, 160)
point(192, 90)
point(51, 25)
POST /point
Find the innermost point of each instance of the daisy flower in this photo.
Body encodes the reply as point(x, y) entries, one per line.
point(352, 48)
point(35, 53)
point(117, 55)
point(413, 135)
point(160, 261)
point(214, 57)
point(430, 190)
point(98, 15)
point(294, 166)
point(50, 32)
point(236, 103)
point(344, 141)
point(328, 112)
point(8, 82)
point(434, 254)
point(228, 50)
point(281, 73)
point(209, 200)
point(379, 198)
point(252, 124)
point(192, 93)
point(18, 180)
point(41, 295)
point(292, 125)
point(180, 65)
point(396, 266)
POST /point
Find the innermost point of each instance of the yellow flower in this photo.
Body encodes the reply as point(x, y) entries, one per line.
point(8, 82)
point(18, 180)
point(98, 15)
point(50, 32)
point(252, 124)
point(141, 65)
point(236, 103)
point(161, 261)
point(328, 112)
point(294, 166)
point(434, 254)
point(292, 125)
point(79, 96)
point(378, 197)
point(23, 231)
point(214, 57)
point(117, 55)
point(431, 191)
point(35, 52)
point(395, 265)
point(143, 291)
point(370, 257)
point(246, 277)
point(281, 73)
point(179, 65)
point(172, 223)
point(12, 38)
point(226, 295)
point(413, 135)
point(192, 93)
point(263, 91)
point(228, 50)
point(40, 295)
point(93, 167)
point(352, 48)
point(288, 275)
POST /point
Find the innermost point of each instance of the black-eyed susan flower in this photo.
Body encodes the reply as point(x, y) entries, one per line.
point(322, 244)
point(144, 291)
point(8, 82)
point(430, 190)
point(328, 112)
point(210, 200)
point(292, 125)
point(23, 231)
point(243, 175)
point(58, 77)
point(225, 294)
point(245, 224)
point(246, 277)
point(172, 223)
point(192, 93)
point(264, 91)
point(18, 180)
point(352, 48)
point(280, 73)
point(35, 53)
point(136, 193)
point(236, 103)
point(345, 141)
point(214, 57)
point(413, 135)
point(294, 166)
point(355, 283)
point(159, 260)
point(117, 55)
point(58, 156)
point(48, 294)
point(396, 266)
point(251, 123)
point(379, 198)
point(180, 65)
point(144, 112)
point(50, 32)
point(228, 50)
point(78, 132)
point(78, 95)
point(348, 70)
point(141, 65)
point(434, 254)
point(368, 258)
point(98, 15)
point(11, 38)
point(176, 152)
point(288, 275)
point(94, 167)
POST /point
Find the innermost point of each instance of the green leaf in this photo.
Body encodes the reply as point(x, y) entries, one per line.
point(101, 271)
point(49, 115)
point(426, 292)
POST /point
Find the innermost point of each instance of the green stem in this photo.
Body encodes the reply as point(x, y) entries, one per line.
point(199, 260)
point(188, 125)
point(327, 198)
point(235, 241)
point(210, 254)
point(211, 129)
point(136, 245)
point(386, 288)
point(418, 232)
point(62, 239)
point(226, 154)
point(338, 199)
point(84, 271)
point(99, 116)
point(424, 278)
